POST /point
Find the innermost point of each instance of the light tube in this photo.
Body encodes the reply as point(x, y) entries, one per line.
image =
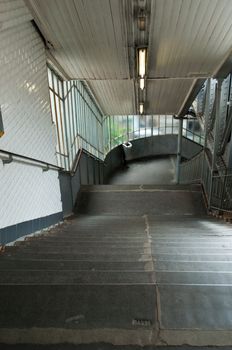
point(141, 83)
point(142, 62)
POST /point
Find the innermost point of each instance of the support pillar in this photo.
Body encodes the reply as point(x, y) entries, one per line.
point(179, 150)
point(206, 112)
point(206, 124)
point(217, 123)
point(216, 137)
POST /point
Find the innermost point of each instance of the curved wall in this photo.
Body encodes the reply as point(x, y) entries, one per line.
point(148, 147)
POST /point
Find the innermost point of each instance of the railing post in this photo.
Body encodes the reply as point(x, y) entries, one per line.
point(179, 150)
point(216, 137)
point(206, 112)
point(223, 190)
point(217, 123)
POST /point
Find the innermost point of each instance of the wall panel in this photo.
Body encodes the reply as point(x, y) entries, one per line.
point(26, 192)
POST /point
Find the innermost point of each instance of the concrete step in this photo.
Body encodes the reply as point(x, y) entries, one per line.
point(192, 266)
point(37, 264)
point(80, 257)
point(140, 203)
point(75, 306)
point(104, 346)
point(90, 240)
point(74, 277)
point(90, 188)
point(55, 250)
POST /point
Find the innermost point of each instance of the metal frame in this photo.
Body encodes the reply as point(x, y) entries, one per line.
point(132, 129)
point(77, 118)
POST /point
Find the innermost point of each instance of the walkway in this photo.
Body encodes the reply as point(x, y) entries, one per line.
point(158, 170)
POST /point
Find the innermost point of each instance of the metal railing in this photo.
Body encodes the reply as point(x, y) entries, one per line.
point(221, 196)
point(119, 129)
point(8, 157)
point(190, 171)
point(217, 185)
point(78, 158)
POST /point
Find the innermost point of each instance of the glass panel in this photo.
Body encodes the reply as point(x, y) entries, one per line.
point(149, 125)
point(162, 125)
point(169, 124)
point(175, 126)
point(155, 124)
point(136, 127)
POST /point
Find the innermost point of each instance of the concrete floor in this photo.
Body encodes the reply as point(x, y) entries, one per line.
point(158, 170)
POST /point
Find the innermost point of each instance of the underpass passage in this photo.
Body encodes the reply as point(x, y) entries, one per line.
point(156, 170)
point(155, 270)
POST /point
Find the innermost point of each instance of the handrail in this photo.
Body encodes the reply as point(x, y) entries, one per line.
point(193, 157)
point(92, 155)
point(11, 154)
point(76, 161)
point(78, 158)
point(49, 166)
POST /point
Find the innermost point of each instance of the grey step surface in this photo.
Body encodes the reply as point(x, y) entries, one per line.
point(137, 202)
point(173, 187)
point(75, 306)
point(74, 277)
point(104, 346)
point(77, 265)
point(123, 271)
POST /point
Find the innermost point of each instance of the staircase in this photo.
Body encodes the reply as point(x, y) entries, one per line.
point(137, 265)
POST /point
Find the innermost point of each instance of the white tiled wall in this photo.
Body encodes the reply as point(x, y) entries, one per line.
point(25, 191)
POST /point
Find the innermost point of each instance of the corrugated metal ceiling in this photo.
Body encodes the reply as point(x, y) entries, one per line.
point(116, 96)
point(89, 37)
point(92, 38)
point(166, 97)
point(189, 37)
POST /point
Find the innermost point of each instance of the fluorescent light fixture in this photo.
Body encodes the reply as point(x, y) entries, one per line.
point(142, 62)
point(141, 108)
point(141, 83)
point(141, 20)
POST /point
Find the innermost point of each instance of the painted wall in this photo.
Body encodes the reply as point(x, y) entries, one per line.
point(26, 192)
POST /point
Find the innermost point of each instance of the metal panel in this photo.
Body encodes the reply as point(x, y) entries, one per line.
point(189, 38)
point(89, 37)
point(166, 97)
point(196, 86)
point(115, 97)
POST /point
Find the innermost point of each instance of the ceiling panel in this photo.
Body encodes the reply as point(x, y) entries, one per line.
point(91, 40)
point(166, 96)
point(114, 96)
point(89, 37)
point(189, 37)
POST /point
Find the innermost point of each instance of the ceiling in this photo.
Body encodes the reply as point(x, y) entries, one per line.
point(94, 40)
